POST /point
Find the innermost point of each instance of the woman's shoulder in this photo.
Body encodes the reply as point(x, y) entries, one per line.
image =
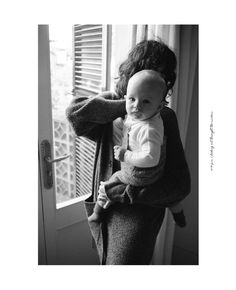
point(167, 113)
point(169, 120)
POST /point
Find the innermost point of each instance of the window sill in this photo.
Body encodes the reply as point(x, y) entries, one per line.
point(72, 201)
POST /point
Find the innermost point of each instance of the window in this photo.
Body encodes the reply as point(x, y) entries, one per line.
point(61, 64)
point(89, 79)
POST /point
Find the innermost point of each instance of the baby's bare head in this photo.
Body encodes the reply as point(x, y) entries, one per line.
point(149, 80)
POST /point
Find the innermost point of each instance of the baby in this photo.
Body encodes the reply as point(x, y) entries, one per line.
point(142, 135)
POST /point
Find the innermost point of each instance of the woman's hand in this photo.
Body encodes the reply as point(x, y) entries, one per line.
point(119, 153)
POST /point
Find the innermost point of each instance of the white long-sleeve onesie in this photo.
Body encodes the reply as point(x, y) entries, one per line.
point(145, 139)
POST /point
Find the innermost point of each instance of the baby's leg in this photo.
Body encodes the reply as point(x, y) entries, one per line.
point(103, 202)
point(178, 214)
point(96, 216)
point(116, 179)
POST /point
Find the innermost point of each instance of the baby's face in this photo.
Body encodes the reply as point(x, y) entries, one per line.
point(144, 96)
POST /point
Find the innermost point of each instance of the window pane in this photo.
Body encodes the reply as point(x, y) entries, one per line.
point(61, 61)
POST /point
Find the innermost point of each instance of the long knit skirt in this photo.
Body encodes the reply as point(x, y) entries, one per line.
point(127, 234)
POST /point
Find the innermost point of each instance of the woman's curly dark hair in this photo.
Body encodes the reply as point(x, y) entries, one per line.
point(148, 54)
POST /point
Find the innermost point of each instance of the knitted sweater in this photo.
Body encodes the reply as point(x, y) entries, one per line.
point(128, 234)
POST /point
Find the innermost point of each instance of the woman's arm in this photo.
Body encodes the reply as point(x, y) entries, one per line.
point(175, 182)
point(87, 115)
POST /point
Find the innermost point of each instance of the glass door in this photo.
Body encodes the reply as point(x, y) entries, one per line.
point(66, 232)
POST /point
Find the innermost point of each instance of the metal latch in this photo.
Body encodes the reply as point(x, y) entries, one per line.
point(47, 163)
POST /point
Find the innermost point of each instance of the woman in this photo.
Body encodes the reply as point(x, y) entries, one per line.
point(128, 233)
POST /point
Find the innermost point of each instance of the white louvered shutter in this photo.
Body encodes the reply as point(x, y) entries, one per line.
point(89, 80)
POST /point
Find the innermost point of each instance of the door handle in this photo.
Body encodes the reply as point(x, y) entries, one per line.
point(47, 163)
point(49, 160)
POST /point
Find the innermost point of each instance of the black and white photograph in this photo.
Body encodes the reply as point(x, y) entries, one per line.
point(117, 149)
point(118, 144)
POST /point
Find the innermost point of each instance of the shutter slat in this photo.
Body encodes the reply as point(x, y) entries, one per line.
point(96, 82)
point(79, 52)
point(88, 68)
point(88, 79)
point(87, 46)
point(95, 64)
point(89, 57)
point(90, 74)
point(82, 67)
point(95, 57)
point(88, 40)
point(87, 29)
point(78, 26)
point(88, 35)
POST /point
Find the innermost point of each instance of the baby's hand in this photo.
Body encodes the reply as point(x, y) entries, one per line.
point(102, 198)
point(119, 153)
